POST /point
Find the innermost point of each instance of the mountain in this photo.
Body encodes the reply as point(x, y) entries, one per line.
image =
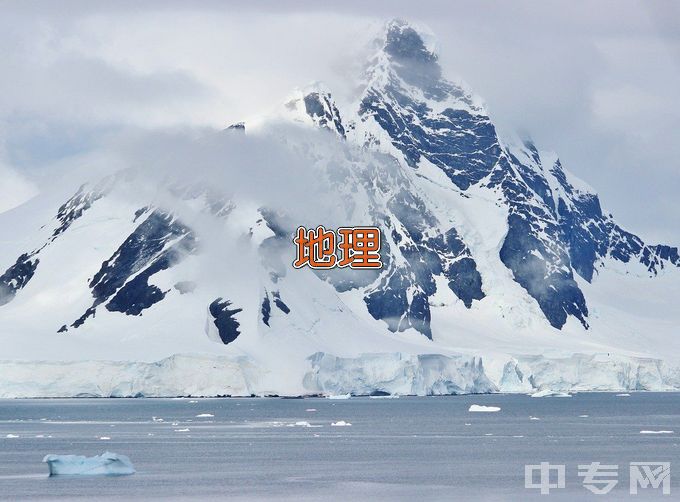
point(500, 269)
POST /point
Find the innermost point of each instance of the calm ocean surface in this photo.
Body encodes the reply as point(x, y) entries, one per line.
point(428, 448)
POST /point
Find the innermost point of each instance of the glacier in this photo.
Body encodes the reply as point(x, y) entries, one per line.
point(177, 375)
point(106, 464)
point(173, 276)
point(325, 374)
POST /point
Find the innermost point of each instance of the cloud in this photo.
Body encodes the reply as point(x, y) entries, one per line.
point(14, 189)
point(598, 83)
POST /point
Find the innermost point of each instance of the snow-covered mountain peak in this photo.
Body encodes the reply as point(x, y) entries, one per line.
point(486, 243)
point(314, 105)
point(403, 42)
point(555, 225)
point(405, 65)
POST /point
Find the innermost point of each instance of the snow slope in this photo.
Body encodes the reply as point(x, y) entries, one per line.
point(174, 277)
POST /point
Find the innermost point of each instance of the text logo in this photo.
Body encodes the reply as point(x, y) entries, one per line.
point(654, 474)
point(599, 478)
point(544, 482)
point(353, 247)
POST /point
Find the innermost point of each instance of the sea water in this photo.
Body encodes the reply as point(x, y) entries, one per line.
point(429, 448)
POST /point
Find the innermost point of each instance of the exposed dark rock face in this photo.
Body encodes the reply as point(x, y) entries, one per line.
point(158, 243)
point(401, 297)
point(224, 319)
point(74, 208)
point(237, 127)
point(554, 229)
point(266, 309)
point(16, 277)
point(279, 303)
point(320, 107)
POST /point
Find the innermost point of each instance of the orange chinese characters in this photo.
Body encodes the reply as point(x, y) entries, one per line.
point(315, 247)
point(360, 247)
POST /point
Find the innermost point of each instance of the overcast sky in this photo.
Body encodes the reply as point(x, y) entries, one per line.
point(597, 82)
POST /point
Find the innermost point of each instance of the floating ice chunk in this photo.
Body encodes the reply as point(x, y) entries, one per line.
point(550, 393)
point(11, 436)
point(104, 438)
point(193, 401)
point(300, 423)
point(534, 418)
point(340, 396)
point(156, 419)
point(656, 432)
point(310, 409)
point(481, 408)
point(106, 464)
point(304, 423)
point(623, 394)
point(181, 430)
point(204, 415)
point(583, 416)
point(340, 423)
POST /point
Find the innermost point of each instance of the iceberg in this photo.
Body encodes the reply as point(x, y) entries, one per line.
point(481, 408)
point(106, 464)
point(303, 423)
point(550, 393)
point(339, 396)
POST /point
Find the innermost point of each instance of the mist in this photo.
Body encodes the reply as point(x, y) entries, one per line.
point(595, 83)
